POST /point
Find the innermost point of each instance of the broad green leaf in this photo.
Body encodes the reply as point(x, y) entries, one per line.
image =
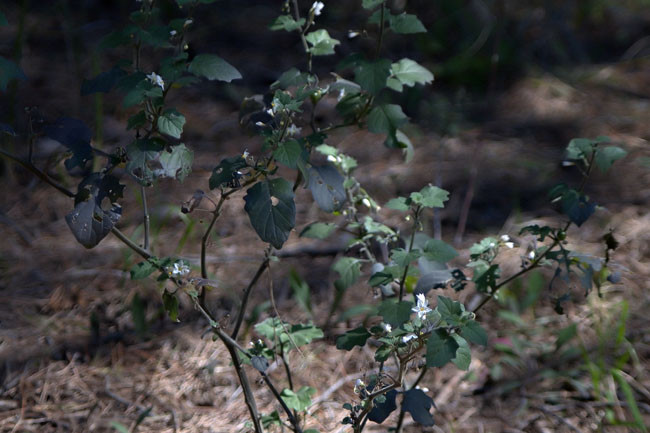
point(450, 310)
point(286, 22)
point(299, 400)
point(102, 83)
point(226, 171)
point(383, 352)
point(141, 153)
point(441, 349)
point(142, 270)
point(301, 290)
point(9, 71)
point(318, 230)
point(349, 270)
point(288, 153)
point(177, 164)
point(272, 222)
point(213, 68)
point(372, 76)
point(404, 258)
point(439, 251)
point(355, 337)
point(138, 120)
point(406, 23)
point(90, 223)
point(170, 302)
point(577, 206)
point(473, 332)
point(76, 136)
point(171, 122)
point(395, 313)
point(430, 196)
point(381, 411)
point(386, 118)
point(399, 203)
point(326, 186)
point(418, 404)
point(463, 354)
point(408, 73)
point(371, 4)
point(287, 335)
point(606, 156)
point(322, 44)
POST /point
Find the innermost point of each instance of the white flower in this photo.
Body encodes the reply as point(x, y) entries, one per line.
point(270, 112)
point(258, 123)
point(531, 255)
point(409, 337)
point(331, 158)
point(359, 386)
point(188, 22)
point(492, 245)
point(509, 245)
point(422, 306)
point(317, 8)
point(245, 154)
point(172, 32)
point(293, 130)
point(366, 202)
point(352, 34)
point(178, 270)
point(387, 327)
point(341, 95)
point(156, 80)
point(505, 238)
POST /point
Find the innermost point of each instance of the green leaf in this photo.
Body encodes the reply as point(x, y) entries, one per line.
point(225, 172)
point(286, 22)
point(577, 206)
point(450, 310)
point(171, 123)
point(74, 135)
point(102, 83)
point(288, 336)
point(9, 71)
point(406, 24)
point(408, 73)
point(441, 349)
point(121, 428)
point(299, 400)
point(386, 118)
point(272, 222)
point(142, 270)
point(318, 230)
point(138, 120)
point(418, 404)
point(349, 270)
point(326, 186)
point(399, 203)
point(395, 313)
point(213, 68)
point(301, 290)
point(430, 196)
point(371, 4)
point(288, 153)
point(382, 410)
point(439, 251)
point(321, 42)
point(630, 399)
point(404, 258)
point(463, 354)
point(473, 332)
point(383, 352)
point(170, 302)
point(177, 164)
point(355, 337)
point(141, 153)
point(606, 156)
point(372, 76)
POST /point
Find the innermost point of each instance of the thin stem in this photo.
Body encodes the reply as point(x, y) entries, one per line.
point(400, 419)
point(145, 216)
point(38, 173)
point(296, 14)
point(293, 420)
point(245, 297)
point(382, 25)
point(416, 221)
point(144, 253)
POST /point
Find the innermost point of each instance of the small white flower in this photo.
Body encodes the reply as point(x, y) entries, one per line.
point(359, 386)
point(293, 130)
point(245, 154)
point(531, 255)
point(422, 306)
point(387, 327)
point(492, 245)
point(270, 112)
point(178, 270)
point(341, 95)
point(188, 22)
point(258, 123)
point(317, 8)
point(352, 34)
point(409, 337)
point(505, 238)
point(366, 202)
point(172, 33)
point(156, 80)
point(509, 245)
point(331, 158)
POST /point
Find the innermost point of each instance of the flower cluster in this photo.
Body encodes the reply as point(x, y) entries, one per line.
point(156, 80)
point(178, 270)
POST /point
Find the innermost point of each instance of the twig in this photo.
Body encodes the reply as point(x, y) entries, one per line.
point(246, 295)
point(145, 217)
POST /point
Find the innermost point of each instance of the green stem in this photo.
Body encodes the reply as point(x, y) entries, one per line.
point(247, 292)
point(145, 216)
point(382, 26)
point(416, 221)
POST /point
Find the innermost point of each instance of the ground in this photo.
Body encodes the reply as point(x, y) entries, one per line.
point(59, 376)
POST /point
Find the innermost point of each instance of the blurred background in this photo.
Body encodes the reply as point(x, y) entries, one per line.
point(82, 346)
